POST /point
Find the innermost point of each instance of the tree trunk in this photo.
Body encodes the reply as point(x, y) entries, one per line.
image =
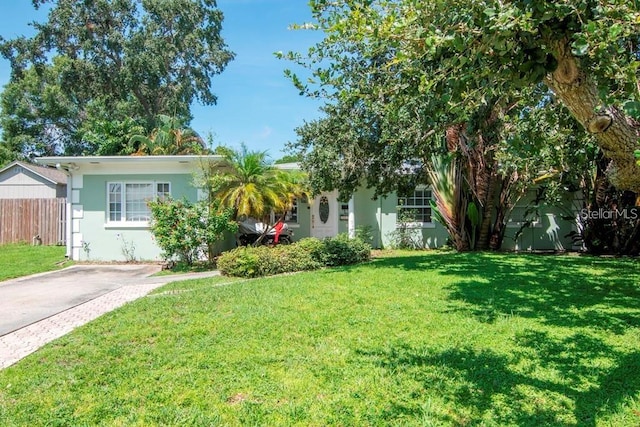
point(484, 234)
point(616, 134)
point(480, 171)
point(508, 196)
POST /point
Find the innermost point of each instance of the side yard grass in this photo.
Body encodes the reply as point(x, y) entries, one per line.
point(410, 339)
point(18, 260)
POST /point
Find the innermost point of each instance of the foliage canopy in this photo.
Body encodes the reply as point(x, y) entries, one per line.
point(103, 61)
point(410, 69)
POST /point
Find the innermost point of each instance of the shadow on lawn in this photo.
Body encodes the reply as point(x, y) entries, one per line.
point(547, 377)
point(483, 384)
point(569, 291)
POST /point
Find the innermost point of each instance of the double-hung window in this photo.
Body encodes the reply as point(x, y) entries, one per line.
point(416, 208)
point(127, 201)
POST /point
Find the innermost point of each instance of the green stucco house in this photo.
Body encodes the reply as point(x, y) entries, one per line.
point(108, 218)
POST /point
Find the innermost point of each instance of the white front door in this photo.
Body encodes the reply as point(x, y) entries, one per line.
point(324, 215)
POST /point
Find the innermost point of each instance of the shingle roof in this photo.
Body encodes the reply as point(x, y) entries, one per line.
point(50, 174)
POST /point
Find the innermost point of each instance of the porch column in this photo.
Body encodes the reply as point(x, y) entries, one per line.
point(352, 219)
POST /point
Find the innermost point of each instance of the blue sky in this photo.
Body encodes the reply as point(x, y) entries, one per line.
point(257, 105)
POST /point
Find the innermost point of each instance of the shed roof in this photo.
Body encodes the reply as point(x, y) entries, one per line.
point(48, 173)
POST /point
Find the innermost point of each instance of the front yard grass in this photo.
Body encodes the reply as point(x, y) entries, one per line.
point(18, 260)
point(411, 339)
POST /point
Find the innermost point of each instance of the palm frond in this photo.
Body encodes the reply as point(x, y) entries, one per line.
point(252, 187)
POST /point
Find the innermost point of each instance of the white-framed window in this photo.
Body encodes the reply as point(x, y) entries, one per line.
point(416, 207)
point(127, 201)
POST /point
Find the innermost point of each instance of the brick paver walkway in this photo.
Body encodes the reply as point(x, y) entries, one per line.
point(16, 345)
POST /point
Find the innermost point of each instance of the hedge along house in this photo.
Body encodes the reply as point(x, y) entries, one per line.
point(108, 217)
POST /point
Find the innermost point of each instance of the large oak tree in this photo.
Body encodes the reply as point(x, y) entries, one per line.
point(110, 61)
point(457, 55)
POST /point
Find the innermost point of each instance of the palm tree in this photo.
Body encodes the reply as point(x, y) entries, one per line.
point(253, 188)
point(169, 138)
point(293, 185)
point(450, 208)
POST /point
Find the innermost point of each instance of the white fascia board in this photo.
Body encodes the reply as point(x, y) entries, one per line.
point(287, 166)
point(78, 160)
point(129, 164)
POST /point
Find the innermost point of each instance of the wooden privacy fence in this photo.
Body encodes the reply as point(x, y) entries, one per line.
point(21, 220)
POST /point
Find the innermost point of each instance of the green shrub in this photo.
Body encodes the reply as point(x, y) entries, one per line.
point(405, 235)
point(312, 246)
point(301, 256)
point(307, 254)
point(189, 231)
point(265, 261)
point(341, 250)
point(365, 233)
point(243, 262)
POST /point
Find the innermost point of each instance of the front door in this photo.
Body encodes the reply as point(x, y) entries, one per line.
point(324, 215)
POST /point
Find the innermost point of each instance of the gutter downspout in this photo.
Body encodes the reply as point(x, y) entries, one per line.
point(69, 221)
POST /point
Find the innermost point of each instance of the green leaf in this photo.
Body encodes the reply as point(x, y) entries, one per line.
point(632, 108)
point(473, 214)
point(591, 27)
point(615, 30)
point(458, 44)
point(580, 46)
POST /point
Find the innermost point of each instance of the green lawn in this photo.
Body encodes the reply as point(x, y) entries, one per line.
point(21, 259)
point(411, 339)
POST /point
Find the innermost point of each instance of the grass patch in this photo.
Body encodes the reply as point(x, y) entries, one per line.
point(193, 285)
point(183, 267)
point(22, 259)
point(411, 339)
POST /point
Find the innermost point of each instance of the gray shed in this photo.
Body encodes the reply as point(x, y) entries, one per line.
point(21, 180)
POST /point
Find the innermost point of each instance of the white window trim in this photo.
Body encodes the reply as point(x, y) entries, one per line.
point(126, 224)
point(417, 224)
point(123, 223)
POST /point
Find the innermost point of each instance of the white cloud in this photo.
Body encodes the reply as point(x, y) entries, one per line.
point(265, 133)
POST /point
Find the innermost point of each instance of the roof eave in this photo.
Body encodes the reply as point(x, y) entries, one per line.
point(70, 161)
point(33, 171)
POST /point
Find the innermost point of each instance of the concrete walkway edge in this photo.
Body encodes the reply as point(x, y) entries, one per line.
point(21, 343)
point(16, 345)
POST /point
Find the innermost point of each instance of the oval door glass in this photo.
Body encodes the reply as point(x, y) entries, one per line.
point(323, 209)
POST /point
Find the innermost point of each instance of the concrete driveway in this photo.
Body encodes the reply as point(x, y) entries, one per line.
point(29, 299)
